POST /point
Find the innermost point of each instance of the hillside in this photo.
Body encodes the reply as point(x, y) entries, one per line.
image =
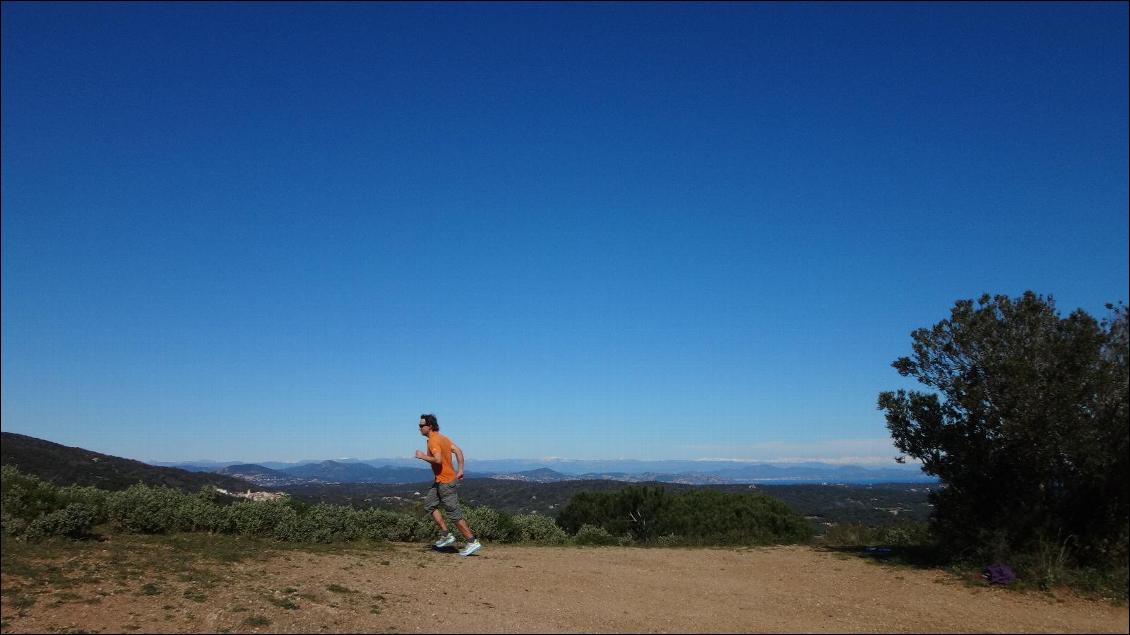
point(259, 475)
point(65, 465)
point(877, 505)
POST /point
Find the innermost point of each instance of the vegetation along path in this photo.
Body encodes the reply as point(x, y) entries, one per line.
point(161, 584)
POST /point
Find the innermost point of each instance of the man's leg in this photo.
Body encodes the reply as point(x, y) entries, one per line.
point(450, 498)
point(431, 505)
point(438, 517)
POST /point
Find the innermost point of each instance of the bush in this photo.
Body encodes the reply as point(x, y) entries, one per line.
point(539, 529)
point(593, 535)
point(382, 524)
point(710, 517)
point(73, 521)
point(273, 519)
point(330, 523)
point(850, 534)
point(87, 495)
point(668, 540)
point(490, 524)
point(26, 497)
point(11, 525)
point(36, 509)
point(636, 511)
point(904, 534)
point(146, 510)
point(702, 517)
point(201, 513)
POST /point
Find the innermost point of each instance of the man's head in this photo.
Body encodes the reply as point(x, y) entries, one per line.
point(428, 423)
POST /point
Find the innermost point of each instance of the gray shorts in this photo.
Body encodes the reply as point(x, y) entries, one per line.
point(447, 494)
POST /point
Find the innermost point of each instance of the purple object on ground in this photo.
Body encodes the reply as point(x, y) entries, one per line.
point(999, 574)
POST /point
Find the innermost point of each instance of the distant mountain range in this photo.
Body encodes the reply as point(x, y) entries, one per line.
point(338, 472)
point(82, 466)
point(538, 489)
point(396, 471)
point(259, 475)
point(542, 489)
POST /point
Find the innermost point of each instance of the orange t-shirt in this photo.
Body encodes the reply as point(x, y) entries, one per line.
point(444, 472)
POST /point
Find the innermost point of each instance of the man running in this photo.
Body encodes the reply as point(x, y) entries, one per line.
point(443, 489)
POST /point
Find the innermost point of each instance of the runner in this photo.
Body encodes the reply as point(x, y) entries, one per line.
point(444, 489)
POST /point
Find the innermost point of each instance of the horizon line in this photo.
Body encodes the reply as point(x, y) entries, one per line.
point(867, 462)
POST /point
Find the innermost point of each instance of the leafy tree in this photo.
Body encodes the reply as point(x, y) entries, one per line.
point(1027, 427)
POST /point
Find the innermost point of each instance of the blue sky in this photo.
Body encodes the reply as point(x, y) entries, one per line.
point(651, 231)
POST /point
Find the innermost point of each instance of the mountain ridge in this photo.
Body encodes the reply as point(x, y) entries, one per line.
point(550, 470)
point(67, 465)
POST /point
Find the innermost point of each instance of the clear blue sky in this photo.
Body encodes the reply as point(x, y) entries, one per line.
point(589, 231)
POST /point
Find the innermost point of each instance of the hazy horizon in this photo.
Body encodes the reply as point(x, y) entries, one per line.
point(861, 462)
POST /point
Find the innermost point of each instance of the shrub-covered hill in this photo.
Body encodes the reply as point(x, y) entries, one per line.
point(879, 504)
point(64, 465)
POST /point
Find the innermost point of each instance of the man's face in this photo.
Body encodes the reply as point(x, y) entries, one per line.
point(424, 427)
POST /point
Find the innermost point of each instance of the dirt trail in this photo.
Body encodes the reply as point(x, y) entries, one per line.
point(540, 589)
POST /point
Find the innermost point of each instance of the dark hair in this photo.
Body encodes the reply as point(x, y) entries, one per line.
point(431, 421)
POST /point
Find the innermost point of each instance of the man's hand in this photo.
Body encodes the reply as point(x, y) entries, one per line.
point(421, 455)
point(459, 475)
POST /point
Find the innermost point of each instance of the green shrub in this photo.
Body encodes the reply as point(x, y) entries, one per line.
point(330, 523)
point(703, 517)
point(26, 497)
point(538, 528)
point(146, 510)
point(382, 524)
point(490, 524)
point(593, 535)
point(273, 519)
point(633, 510)
point(1047, 565)
point(11, 525)
point(850, 534)
point(906, 534)
point(201, 513)
point(903, 534)
point(668, 540)
point(87, 495)
point(73, 521)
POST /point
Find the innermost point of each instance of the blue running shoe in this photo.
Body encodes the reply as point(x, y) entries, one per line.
point(445, 541)
point(471, 548)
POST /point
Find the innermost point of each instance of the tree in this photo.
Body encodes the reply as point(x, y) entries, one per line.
point(1027, 428)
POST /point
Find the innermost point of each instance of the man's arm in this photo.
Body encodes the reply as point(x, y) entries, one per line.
point(459, 457)
point(434, 457)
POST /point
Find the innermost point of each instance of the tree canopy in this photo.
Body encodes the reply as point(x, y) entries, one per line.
point(1026, 426)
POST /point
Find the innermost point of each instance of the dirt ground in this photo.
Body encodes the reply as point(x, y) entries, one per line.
point(409, 588)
